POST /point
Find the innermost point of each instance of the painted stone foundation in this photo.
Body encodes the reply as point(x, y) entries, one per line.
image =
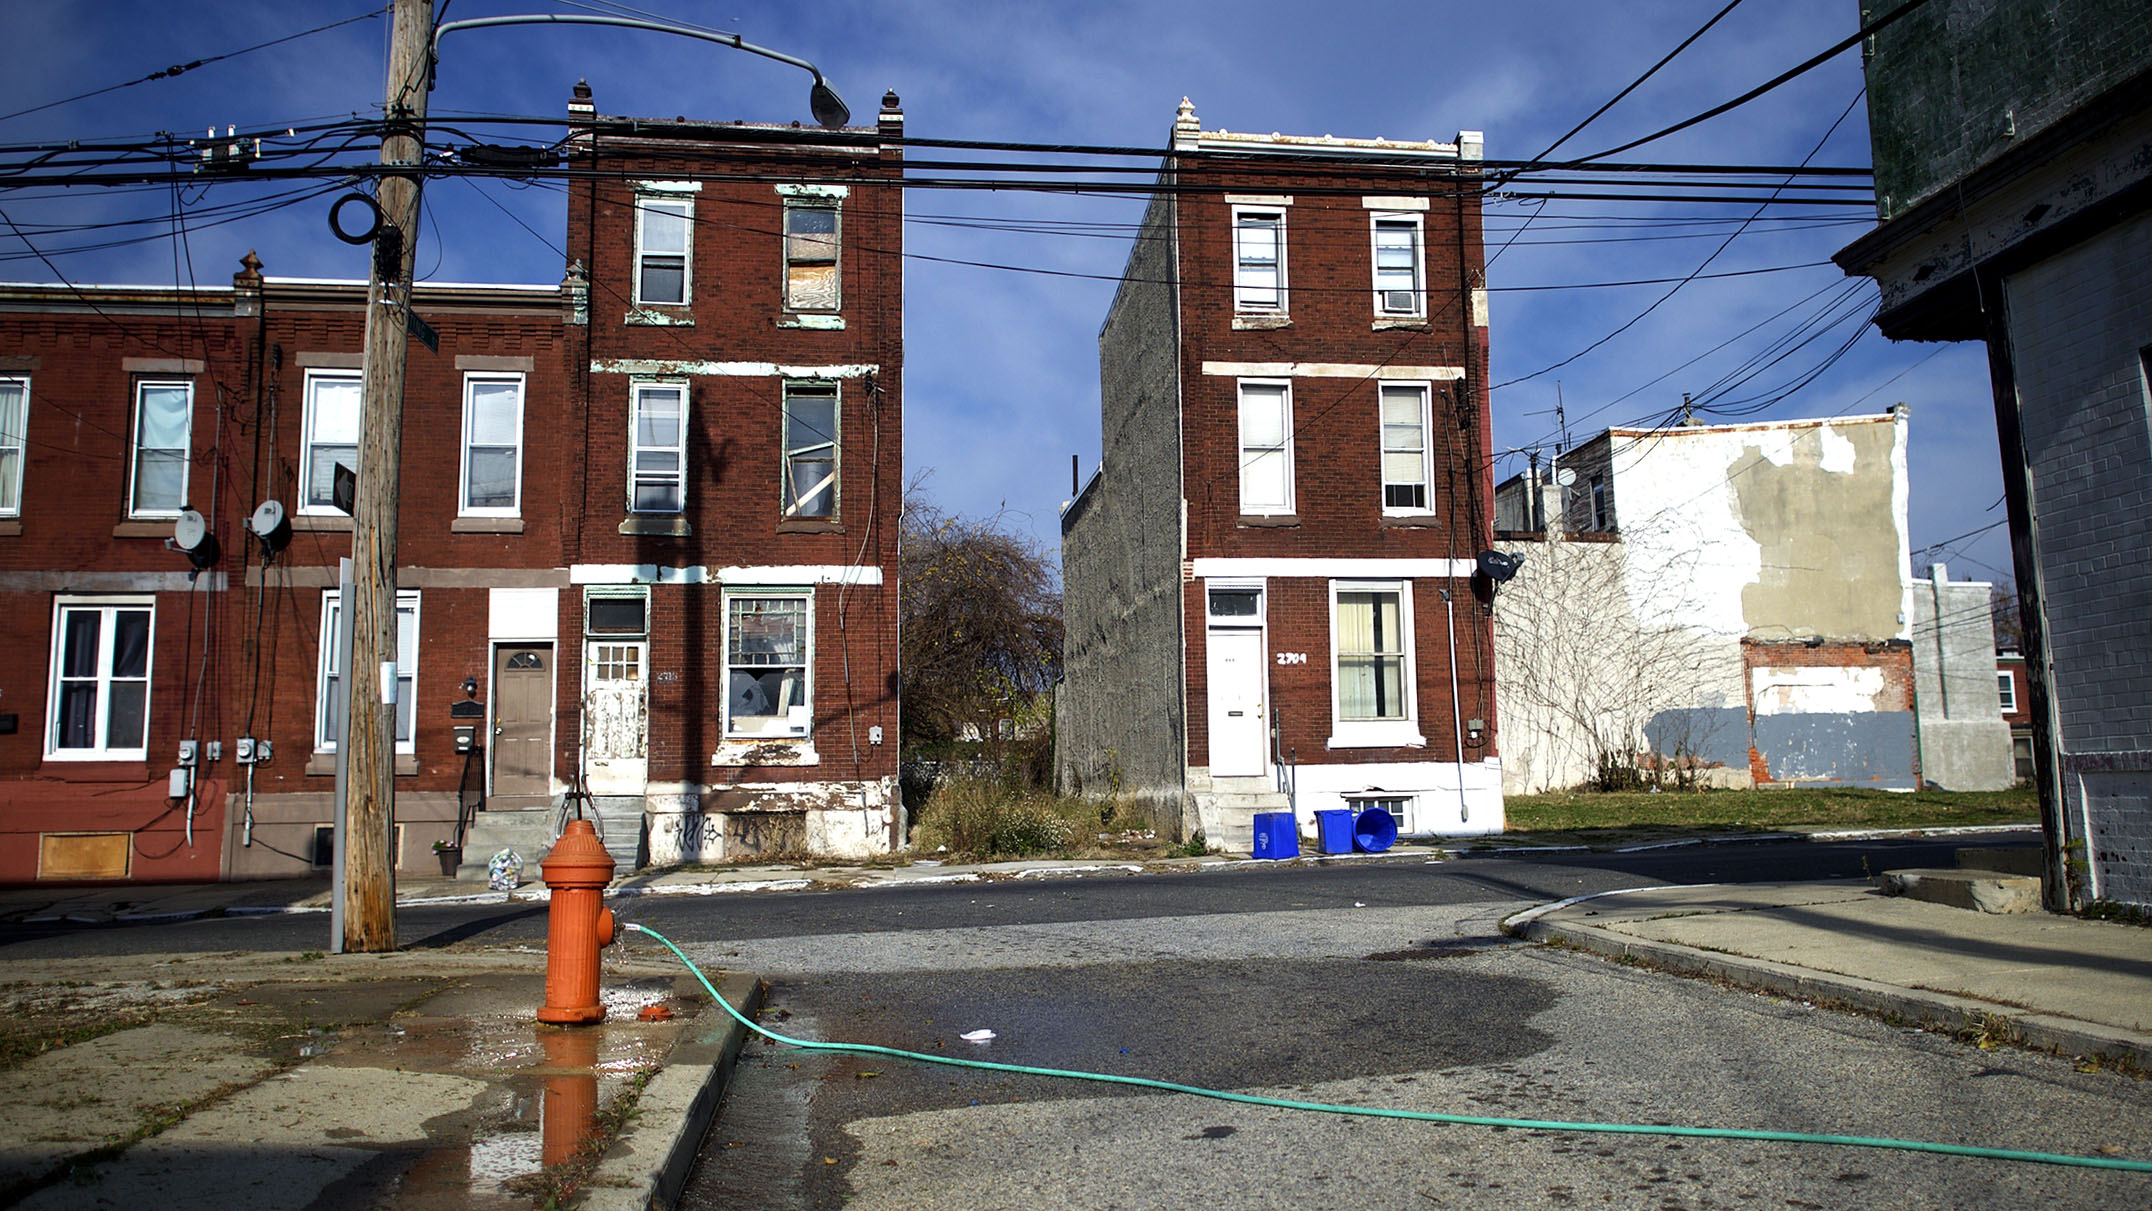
point(748, 820)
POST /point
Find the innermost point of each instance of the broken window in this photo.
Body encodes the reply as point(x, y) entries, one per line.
point(811, 242)
point(810, 450)
point(766, 661)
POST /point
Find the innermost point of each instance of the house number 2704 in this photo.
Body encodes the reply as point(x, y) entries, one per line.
point(1285, 658)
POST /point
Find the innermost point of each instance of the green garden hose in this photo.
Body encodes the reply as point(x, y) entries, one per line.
point(1425, 1116)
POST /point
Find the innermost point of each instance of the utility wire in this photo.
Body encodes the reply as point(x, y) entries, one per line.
point(178, 69)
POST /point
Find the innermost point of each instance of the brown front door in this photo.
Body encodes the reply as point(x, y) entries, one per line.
point(522, 720)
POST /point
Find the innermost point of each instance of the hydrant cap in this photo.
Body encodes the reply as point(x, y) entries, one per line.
point(578, 859)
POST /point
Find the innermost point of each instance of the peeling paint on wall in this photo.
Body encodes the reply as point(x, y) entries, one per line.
point(1826, 567)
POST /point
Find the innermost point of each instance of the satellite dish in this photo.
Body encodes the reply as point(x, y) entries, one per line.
point(1565, 477)
point(270, 524)
point(191, 535)
point(1499, 566)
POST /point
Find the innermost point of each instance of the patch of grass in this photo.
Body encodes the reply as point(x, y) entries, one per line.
point(1605, 816)
point(983, 818)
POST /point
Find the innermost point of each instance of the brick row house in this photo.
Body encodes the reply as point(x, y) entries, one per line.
point(647, 533)
point(1270, 581)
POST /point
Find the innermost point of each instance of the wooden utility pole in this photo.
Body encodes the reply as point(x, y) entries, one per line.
point(370, 677)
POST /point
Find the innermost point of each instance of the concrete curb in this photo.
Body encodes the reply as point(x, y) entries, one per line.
point(1925, 1007)
point(648, 1163)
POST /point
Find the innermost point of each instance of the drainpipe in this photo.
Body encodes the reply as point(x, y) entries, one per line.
point(1457, 723)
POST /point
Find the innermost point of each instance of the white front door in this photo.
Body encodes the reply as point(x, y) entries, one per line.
point(1239, 727)
point(616, 714)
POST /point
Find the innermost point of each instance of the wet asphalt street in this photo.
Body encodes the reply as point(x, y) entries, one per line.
point(1376, 986)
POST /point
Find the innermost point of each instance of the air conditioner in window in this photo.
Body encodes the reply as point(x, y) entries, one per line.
point(1399, 302)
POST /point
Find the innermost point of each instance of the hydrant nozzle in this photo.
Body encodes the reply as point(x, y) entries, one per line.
point(578, 925)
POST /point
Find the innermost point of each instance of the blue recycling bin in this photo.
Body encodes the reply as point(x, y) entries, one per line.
point(1333, 830)
point(1375, 831)
point(1275, 835)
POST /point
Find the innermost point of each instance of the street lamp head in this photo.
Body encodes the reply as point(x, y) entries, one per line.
point(829, 109)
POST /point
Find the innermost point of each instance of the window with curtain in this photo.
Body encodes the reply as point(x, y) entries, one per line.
point(1405, 470)
point(1266, 463)
point(492, 444)
point(1371, 677)
point(332, 436)
point(14, 415)
point(100, 681)
point(330, 692)
point(163, 413)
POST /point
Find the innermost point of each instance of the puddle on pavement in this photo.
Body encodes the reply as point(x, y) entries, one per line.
point(544, 1088)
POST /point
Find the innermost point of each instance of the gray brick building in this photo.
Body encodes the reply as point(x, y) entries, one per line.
point(2013, 159)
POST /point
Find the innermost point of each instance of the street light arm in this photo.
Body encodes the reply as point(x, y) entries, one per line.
point(829, 109)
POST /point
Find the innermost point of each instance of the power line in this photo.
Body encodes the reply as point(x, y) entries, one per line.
point(178, 69)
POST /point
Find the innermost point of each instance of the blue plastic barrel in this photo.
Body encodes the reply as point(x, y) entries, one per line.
point(1333, 829)
point(1375, 831)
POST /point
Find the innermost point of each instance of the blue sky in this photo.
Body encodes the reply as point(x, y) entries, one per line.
point(1002, 382)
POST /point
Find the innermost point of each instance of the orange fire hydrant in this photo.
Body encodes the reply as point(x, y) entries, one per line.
point(577, 925)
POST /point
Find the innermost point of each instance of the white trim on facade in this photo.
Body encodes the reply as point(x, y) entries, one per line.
point(1342, 568)
point(773, 575)
point(644, 367)
point(1321, 370)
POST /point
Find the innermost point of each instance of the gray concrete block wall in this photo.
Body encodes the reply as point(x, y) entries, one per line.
point(1964, 742)
point(2080, 331)
point(1120, 716)
point(1963, 81)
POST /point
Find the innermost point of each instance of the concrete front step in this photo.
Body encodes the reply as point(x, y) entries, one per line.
point(1979, 890)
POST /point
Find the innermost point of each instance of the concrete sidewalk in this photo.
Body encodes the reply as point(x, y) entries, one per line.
point(412, 1079)
point(2061, 984)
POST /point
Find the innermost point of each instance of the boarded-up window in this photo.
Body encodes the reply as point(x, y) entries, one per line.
point(810, 257)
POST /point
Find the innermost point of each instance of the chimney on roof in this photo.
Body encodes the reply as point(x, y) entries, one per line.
point(579, 103)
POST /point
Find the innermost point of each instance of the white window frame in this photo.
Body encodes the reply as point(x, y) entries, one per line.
point(309, 422)
point(407, 600)
point(645, 201)
point(1389, 220)
point(2006, 691)
point(107, 608)
point(1242, 448)
point(1425, 394)
point(836, 256)
point(798, 721)
point(1243, 301)
point(636, 475)
point(135, 448)
point(813, 389)
point(514, 507)
point(14, 449)
point(1402, 807)
point(1402, 732)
